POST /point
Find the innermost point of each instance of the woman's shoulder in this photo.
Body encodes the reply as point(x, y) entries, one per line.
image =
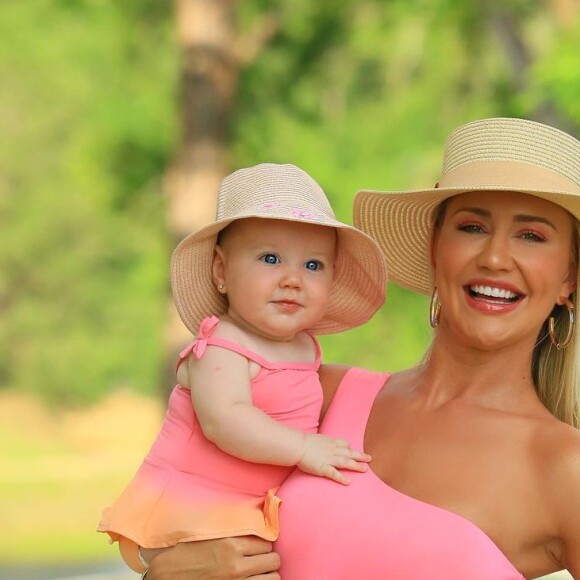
point(555, 449)
point(558, 462)
point(332, 375)
point(557, 444)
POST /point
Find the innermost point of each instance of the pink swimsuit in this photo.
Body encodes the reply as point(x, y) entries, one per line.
point(368, 530)
point(187, 488)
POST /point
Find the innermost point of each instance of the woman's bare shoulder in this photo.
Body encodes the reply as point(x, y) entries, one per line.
point(559, 454)
point(330, 379)
point(558, 445)
point(331, 376)
point(556, 448)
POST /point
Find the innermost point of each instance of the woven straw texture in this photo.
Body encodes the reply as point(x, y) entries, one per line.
point(285, 192)
point(501, 154)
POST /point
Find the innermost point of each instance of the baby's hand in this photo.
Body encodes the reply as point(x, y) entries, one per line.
point(323, 455)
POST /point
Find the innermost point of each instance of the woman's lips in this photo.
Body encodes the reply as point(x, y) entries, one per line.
point(492, 299)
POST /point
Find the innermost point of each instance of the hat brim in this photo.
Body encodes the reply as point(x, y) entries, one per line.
point(358, 291)
point(401, 222)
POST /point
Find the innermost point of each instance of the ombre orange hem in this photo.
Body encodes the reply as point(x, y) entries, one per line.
point(181, 523)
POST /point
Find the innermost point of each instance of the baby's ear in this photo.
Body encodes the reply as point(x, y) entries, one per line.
point(218, 267)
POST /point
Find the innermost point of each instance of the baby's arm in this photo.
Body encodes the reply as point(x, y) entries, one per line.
point(221, 395)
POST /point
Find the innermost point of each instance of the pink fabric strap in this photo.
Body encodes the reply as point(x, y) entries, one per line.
point(204, 339)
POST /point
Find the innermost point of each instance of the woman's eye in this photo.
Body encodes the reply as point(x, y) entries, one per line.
point(470, 228)
point(270, 259)
point(532, 236)
point(313, 265)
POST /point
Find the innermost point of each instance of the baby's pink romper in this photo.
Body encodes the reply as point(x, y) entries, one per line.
point(187, 488)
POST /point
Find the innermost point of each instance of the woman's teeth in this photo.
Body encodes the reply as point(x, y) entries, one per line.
point(491, 292)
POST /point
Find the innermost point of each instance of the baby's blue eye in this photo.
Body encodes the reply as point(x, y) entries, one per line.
point(270, 259)
point(313, 265)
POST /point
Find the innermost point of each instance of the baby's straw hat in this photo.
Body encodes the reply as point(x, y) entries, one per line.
point(502, 154)
point(282, 192)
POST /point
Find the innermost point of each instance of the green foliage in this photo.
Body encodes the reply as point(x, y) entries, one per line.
point(557, 74)
point(360, 93)
point(85, 135)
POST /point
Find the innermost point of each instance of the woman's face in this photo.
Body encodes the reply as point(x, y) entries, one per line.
point(501, 261)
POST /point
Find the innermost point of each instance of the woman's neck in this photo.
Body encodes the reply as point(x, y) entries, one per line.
point(453, 371)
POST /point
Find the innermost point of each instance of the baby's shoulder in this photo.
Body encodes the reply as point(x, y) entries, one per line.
point(231, 332)
point(201, 354)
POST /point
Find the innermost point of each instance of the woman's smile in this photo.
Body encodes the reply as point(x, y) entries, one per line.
point(492, 297)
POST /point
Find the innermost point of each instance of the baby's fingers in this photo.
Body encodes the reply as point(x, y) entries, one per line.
point(359, 456)
point(331, 472)
point(350, 464)
point(353, 454)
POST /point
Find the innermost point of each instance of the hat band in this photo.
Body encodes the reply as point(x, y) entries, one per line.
point(508, 174)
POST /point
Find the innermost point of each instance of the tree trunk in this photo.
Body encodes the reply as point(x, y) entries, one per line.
point(208, 81)
point(506, 27)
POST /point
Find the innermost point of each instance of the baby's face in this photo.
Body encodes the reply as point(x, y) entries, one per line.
point(277, 274)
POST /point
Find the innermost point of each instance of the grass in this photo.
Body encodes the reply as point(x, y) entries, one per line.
point(59, 469)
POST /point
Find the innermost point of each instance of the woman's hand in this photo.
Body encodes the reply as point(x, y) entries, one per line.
point(221, 559)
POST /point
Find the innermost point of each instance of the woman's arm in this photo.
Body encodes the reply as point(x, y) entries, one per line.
point(330, 378)
point(565, 479)
point(222, 559)
point(557, 456)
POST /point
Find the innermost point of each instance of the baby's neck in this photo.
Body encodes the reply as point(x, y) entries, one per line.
point(298, 348)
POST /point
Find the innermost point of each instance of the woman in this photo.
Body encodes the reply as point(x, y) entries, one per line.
point(476, 453)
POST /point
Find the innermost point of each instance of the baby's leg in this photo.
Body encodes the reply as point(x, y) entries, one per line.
point(137, 558)
point(147, 554)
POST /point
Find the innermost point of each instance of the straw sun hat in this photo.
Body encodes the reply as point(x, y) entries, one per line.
point(503, 154)
point(282, 192)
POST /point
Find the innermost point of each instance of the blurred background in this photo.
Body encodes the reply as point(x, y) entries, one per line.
point(117, 121)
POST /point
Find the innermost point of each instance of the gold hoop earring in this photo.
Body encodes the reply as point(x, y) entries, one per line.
point(552, 326)
point(434, 309)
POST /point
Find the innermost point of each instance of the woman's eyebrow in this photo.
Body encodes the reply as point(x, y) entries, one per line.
point(476, 210)
point(534, 218)
point(518, 217)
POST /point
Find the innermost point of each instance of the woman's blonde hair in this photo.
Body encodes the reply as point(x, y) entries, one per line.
point(555, 372)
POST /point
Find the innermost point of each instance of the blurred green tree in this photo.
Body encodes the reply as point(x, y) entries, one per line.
point(359, 93)
point(85, 137)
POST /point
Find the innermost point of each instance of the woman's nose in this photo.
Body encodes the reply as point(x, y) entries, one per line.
point(496, 254)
